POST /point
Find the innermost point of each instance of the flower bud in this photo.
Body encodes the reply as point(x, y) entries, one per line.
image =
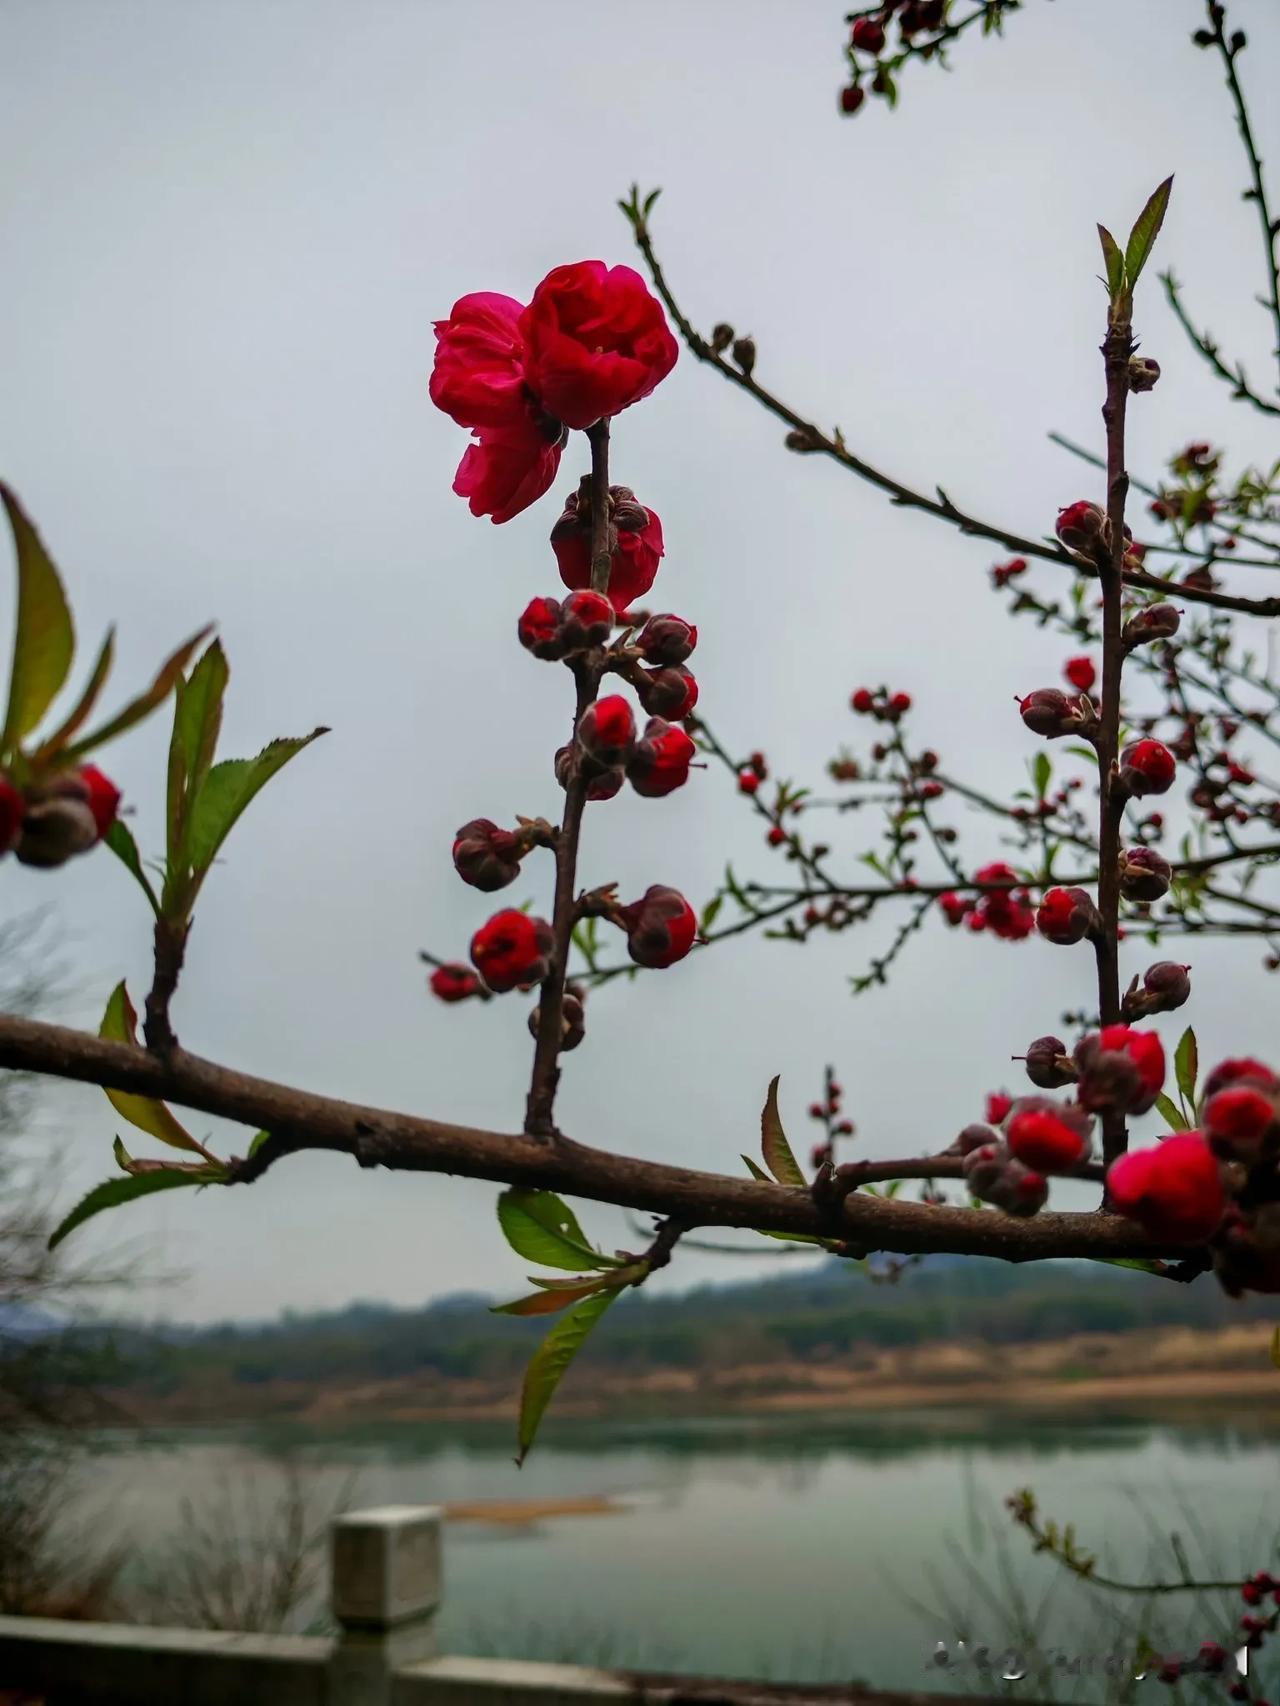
point(586, 620)
point(1144, 873)
point(851, 98)
point(1051, 713)
point(1174, 1190)
point(1147, 767)
point(12, 810)
point(453, 983)
point(721, 337)
point(1048, 1064)
point(485, 856)
point(1121, 1070)
point(1082, 527)
point(573, 1024)
point(998, 1107)
point(666, 640)
point(661, 759)
point(868, 35)
point(1143, 373)
point(1080, 673)
point(1067, 915)
point(539, 629)
point(512, 950)
point(1165, 986)
point(744, 353)
point(62, 817)
point(996, 1176)
point(1239, 1117)
point(103, 797)
point(670, 692)
point(974, 1137)
point(660, 927)
point(603, 781)
point(1040, 1139)
point(607, 731)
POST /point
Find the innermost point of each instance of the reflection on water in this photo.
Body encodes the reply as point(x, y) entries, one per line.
point(820, 1546)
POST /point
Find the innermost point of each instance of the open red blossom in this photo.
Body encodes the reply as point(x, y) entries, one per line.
point(1240, 1114)
point(478, 377)
point(661, 926)
point(512, 950)
point(633, 567)
point(1080, 673)
point(1041, 1140)
point(1174, 1190)
point(453, 983)
point(509, 467)
point(660, 763)
point(597, 341)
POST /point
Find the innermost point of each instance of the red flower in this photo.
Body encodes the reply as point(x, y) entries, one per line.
point(512, 950)
point(1147, 767)
point(1120, 1068)
point(1003, 573)
point(776, 836)
point(660, 926)
point(862, 700)
point(453, 983)
point(509, 467)
point(900, 703)
point(587, 618)
point(661, 760)
point(1239, 1114)
point(851, 98)
point(1065, 915)
point(748, 782)
point(607, 730)
point(954, 906)
point(1080, 525)
point(634, 565)
point(1174, 1190)
point(597, 341)
point(103, 797)
point(12, 809)
point(539, 628)
point(1041, 1140)
point(1080, 673)
point(478, 377)
point(671, 692)
point(1243, 1068)
point(998, 1106)
point(868, 35)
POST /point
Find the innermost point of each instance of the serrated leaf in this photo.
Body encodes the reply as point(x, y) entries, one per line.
point(1186, 1066)
point(1041, 773)
point(85, 703)
point(197, 722)
point(120, 1025)
point(119, 838)
point(773, 1143)
point(1114, 262)
point(1145, 230)
point(549, 1362)
point(548, 1302)
point(44, 639)
point(1171, 1114)
point(542, 1228)
point(136, 710)
point(227, 790)
point(117, 1191)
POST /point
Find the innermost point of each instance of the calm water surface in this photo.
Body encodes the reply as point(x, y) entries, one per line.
point(813, 1547)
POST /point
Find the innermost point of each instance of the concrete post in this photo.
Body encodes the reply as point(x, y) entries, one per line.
point(386, 1586)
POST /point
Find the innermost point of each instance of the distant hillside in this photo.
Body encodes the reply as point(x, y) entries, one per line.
point(822, 1315)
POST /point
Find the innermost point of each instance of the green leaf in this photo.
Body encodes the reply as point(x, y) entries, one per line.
point(773, 1143)
point(1186, 1065)
point(548, 1302)
point(116, 1191)
point(44, 639)
point(1143, 1264)
point(1145, 230)
point(197, 719)
point(1172, 1115)
point(170, 671)
point(119, 838)
point(85, 703)
point(1041, 772)
point(548, 1364)
point(259, 1138)
point(120, 1025)
point(227, 790)
point(1114, 261)
point(710, 913)
point(756, 1172)
point(542, 1228)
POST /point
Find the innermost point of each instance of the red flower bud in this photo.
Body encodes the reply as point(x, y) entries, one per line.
point(1147, 767)
point(868, 35)
point(1144, 873)
point(1003, 573)
point(974, 1137)
point(1080, 673)
point(1174, 1190)
point(666, 640)
point(1066, 915)
point(1156, 622)
point(660, 926)
point(62, 818)
point(103, 797)
point(748, 782)
point(573, 1024)
point(12, 809)
point(453, 983)
point(607, 730)
point(586, 620)
point(485, 856)
point(998, 1106)
point(1048, 1064)
point(660, 763)
point(637, 551)
point(1165, 986)
point(1242, 1070)
point(670, 692)
point(1051, 713)
point(954, 906)
point(898, 706)
point(512, 950)
point(1239, 1114)
point(776, 836)
point(1043, 1141)
point(1121, 1069)
point(819, 1155)
point(539, 629)
point(1143, 373)
point(851, 98)
point(1081, 527)
point(862, 700)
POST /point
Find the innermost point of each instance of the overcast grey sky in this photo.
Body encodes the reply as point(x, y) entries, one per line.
point(227, 228)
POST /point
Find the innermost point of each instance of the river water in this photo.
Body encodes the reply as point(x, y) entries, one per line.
point(814, 1547)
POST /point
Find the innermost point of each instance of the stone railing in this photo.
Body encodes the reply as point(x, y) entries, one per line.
point(385, 1592)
